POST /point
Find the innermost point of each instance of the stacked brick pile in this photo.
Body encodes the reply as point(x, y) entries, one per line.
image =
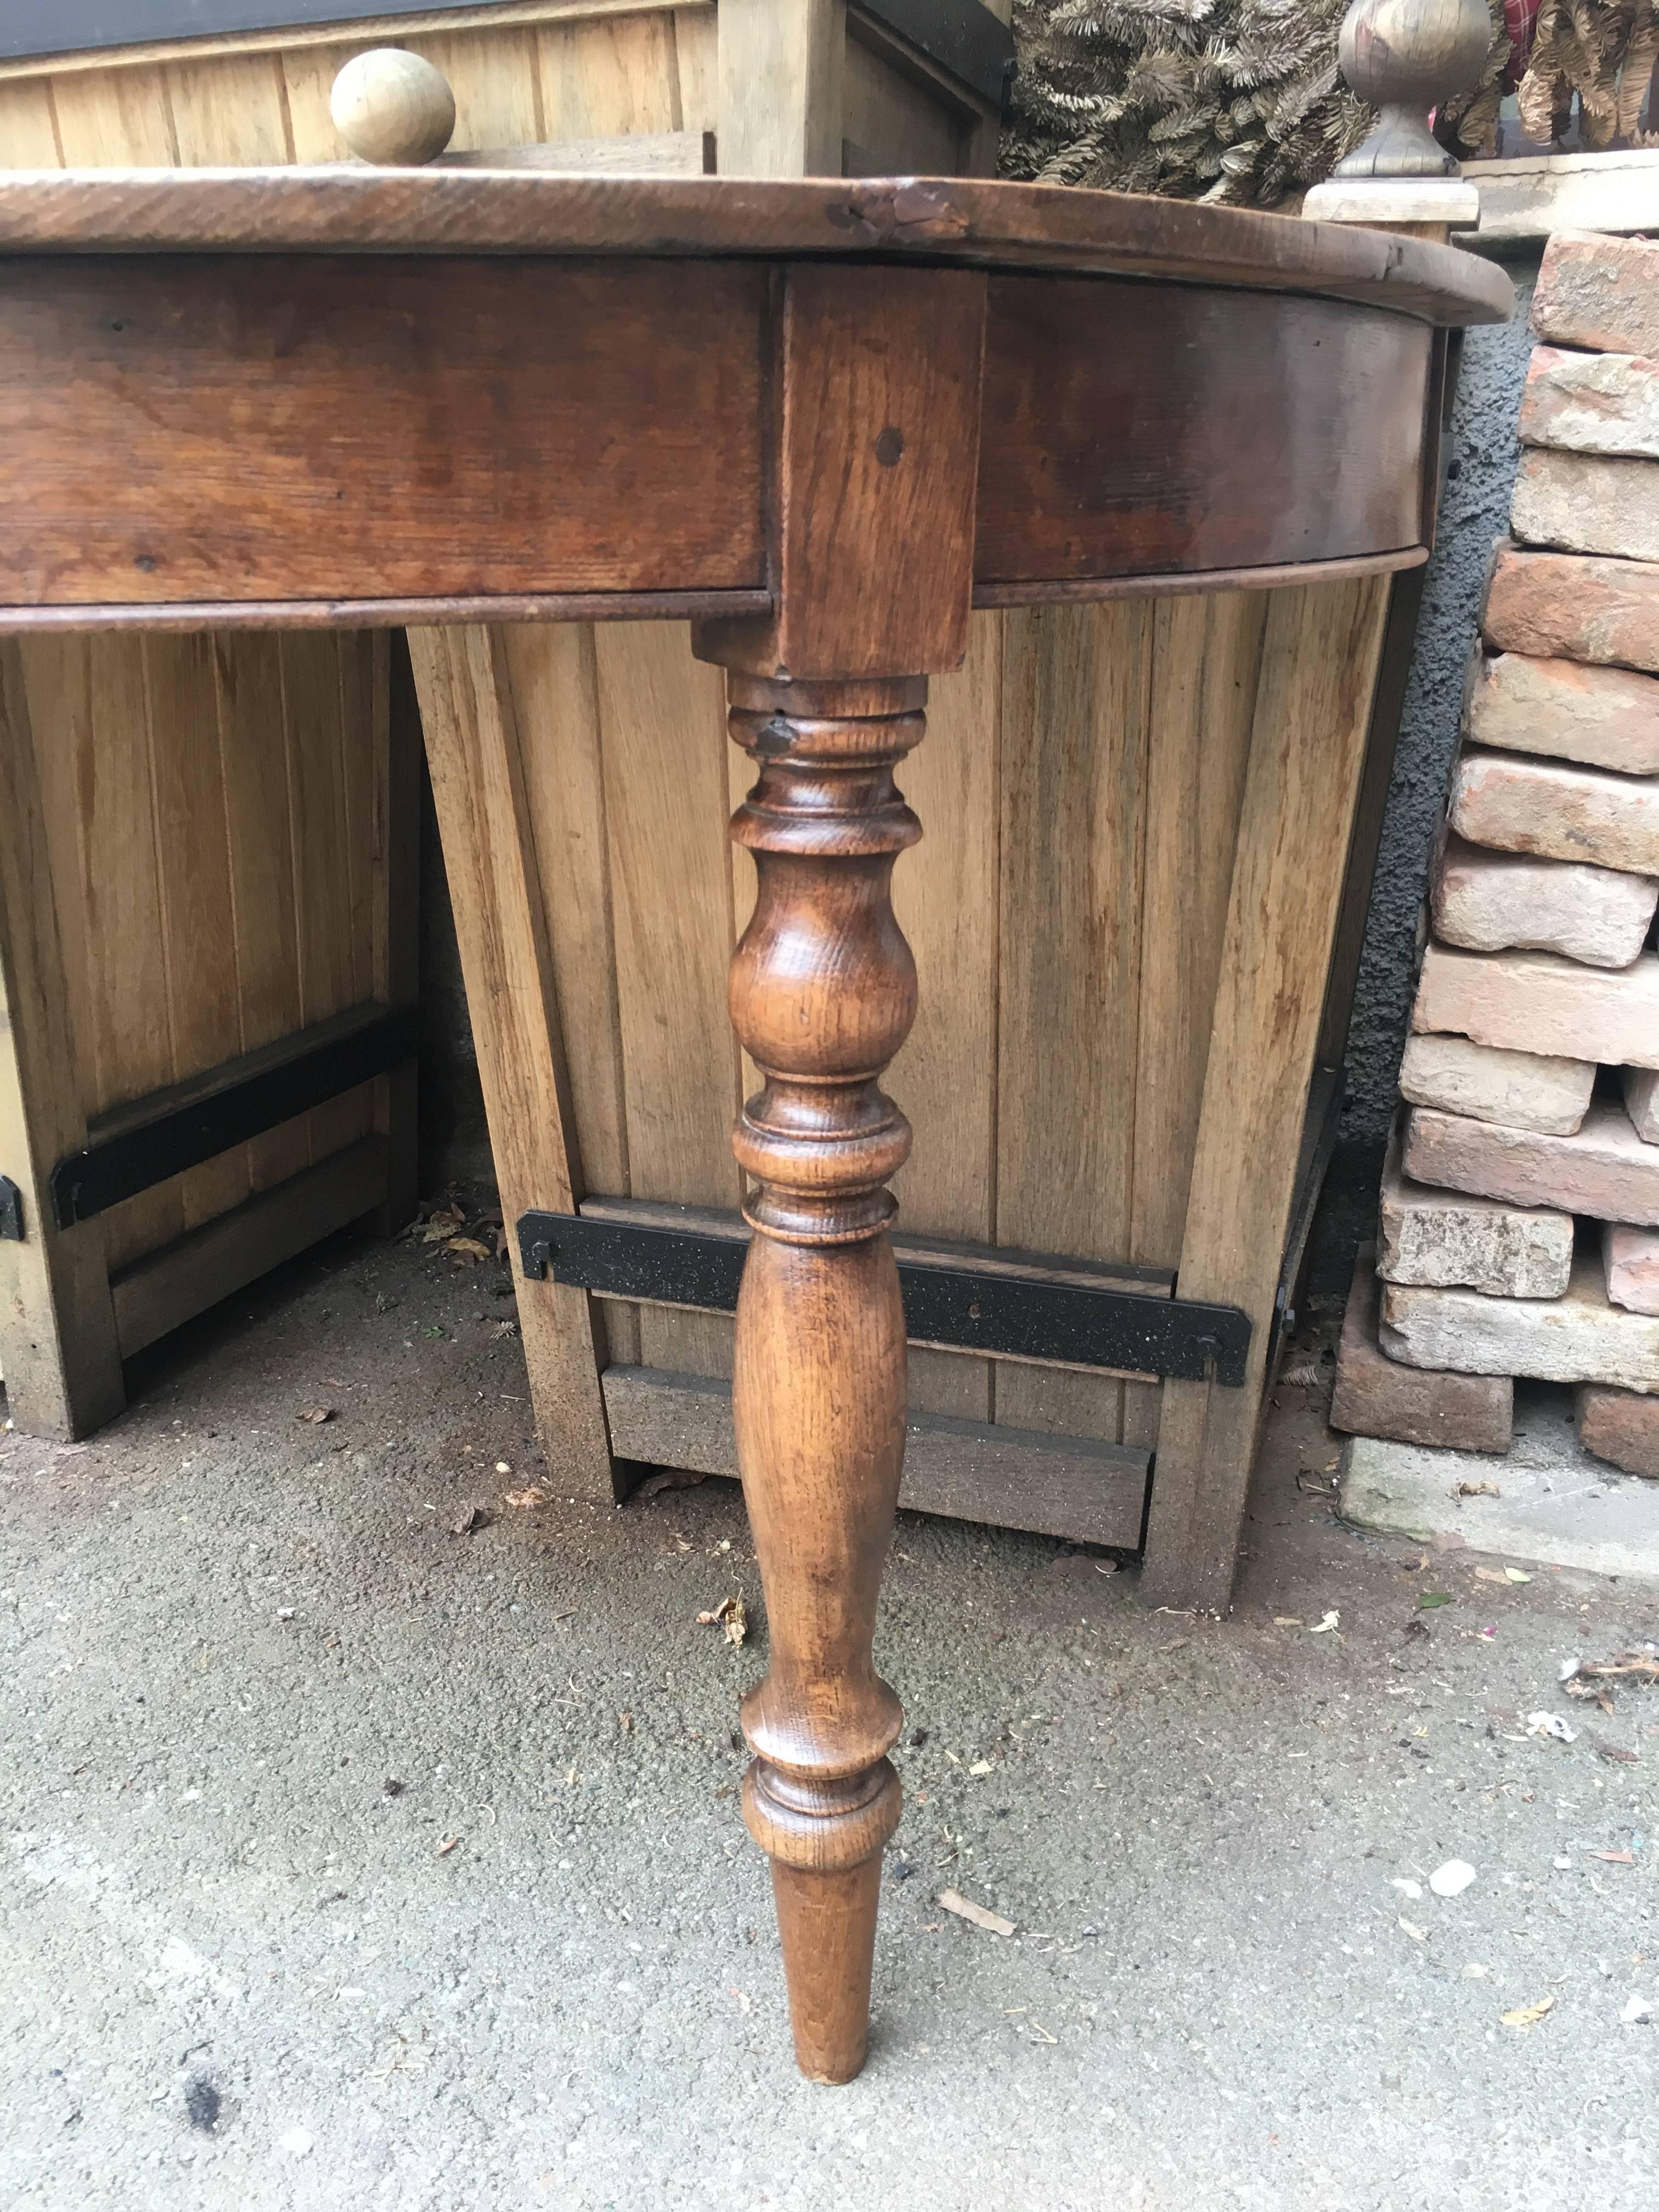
point(1519, 1208)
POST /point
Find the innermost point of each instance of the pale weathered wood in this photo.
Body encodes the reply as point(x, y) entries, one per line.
point(475, 749)
point(945, 899)
point(1207, 662)
point(155, 1293)
point(897, 125)
point(780, 87)
point(633, 154)
point(555, 682)
point(28, 135)
point(1076, 690)
point(663, 721)
point(1313, 710)
point(57, 1344)
point(1071, 1486)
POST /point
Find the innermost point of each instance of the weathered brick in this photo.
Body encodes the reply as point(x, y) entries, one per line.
point(1629, 1258)
point(1583, 609)
point(1619, 1425)
point(1557, 809)
point(1598, 292)
point(1606, 717)
point(1488, 902)
point(1586, 504)
point(1642, 1102)
point(1592, 403)
point(1435, 1237)
point(1522, 1089)
point(1605, 1170)
point(1374, 1397)
point(1538, 1002)
point(1578, 1338)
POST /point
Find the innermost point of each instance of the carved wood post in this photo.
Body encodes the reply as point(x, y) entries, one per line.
point(823, 995)
point(878, 375)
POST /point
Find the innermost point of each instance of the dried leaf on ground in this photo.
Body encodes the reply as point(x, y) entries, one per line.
point(1551, 1724)
point(731, 1616)
point(471, 1521)
point(1287, 1620)
point(1516, 1575)
point(1301, 1373)
point(668, 1477)
point(982, 1916)
point(1528, 2016)
point(523, 1500)
point(467, 1249)
point(442, 1223)
point(315, 1413)
point(1642, 1666)
point(1476, 1490)
point(1616, 1754)
point(1326, 1624)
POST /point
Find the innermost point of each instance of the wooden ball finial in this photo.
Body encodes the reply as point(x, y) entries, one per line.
point(392, 108)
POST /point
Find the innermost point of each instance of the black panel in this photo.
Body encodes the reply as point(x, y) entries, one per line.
point(977, 1310)
point(70, 26)
point(962, 36)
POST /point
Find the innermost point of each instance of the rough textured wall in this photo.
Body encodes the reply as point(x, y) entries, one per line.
point(1475, 511)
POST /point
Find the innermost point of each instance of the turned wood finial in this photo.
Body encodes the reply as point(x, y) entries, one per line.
point(1405, 55)
point(392, 108)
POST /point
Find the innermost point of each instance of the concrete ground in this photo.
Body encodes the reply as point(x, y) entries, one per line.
point(349, 1860)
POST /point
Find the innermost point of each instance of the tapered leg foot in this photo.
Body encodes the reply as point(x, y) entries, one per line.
point(827, 1925)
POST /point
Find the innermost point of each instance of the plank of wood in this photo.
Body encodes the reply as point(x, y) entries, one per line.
point(155, 1293)
point(633, 153)
point(781, 76)
point(604, 78)
point(476, 754)
point(1313, 708)
point(696, 62)
point(664, 744)
point(492, 75)
point(115, 119)
point(900, 126)
point(58, 1347)
point(388, 477)
point(28, 134)
point(132, 1048)
point(944, 894)
point(1207, 665)
point(1071, 1486)
point(1076, 709)
point(229, 112)
point(201, 1008)
point(554, 677)
point(1314, 455)
point(973, 222)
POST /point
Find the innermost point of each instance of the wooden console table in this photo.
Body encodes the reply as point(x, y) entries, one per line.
point(294, 397)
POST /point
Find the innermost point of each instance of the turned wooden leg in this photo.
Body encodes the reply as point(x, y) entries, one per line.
point(823, 993)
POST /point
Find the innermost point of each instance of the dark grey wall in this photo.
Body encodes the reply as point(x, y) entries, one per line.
point(1475, 511)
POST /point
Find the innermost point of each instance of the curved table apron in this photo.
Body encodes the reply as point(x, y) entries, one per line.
point(825, 420)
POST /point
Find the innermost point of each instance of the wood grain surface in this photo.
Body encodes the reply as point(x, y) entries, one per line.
point(909, 219)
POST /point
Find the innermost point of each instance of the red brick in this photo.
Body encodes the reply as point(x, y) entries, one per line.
point(1631, 1257)
point(1578, 606)
point(1604, 1170)
point(1606, 717)
point(1557, 809)
point(1592, 403)
point(1621, 1426)
point(1411, 1405)
point(1598, 292)
point(1586, 503)
point(1538, 1002)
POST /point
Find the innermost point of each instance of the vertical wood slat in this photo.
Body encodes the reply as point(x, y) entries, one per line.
point(1307, 749)
point(1077, 697)
point(782, 64)
point(945, 898)
point(476, 751)
point(1207, 664)
point(663, 721)
point(57, 1348)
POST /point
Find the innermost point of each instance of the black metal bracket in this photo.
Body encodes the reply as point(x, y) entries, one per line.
point(983, 1310)
point(138, 1145)
point(11, 1212)
point(961, 36)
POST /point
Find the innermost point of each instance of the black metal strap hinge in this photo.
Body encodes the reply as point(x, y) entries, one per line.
point(162, 1135)
point(987, 1310)
point(11, 1212)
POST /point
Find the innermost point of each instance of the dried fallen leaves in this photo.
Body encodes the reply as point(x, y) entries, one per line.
point(731, 1616)
point(980, 1915)
point(1476, 1490)
point(471, 1521)
point(1528, 2016)
point(315, 1413)
point(524, 1499)
point(1501, 1574)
